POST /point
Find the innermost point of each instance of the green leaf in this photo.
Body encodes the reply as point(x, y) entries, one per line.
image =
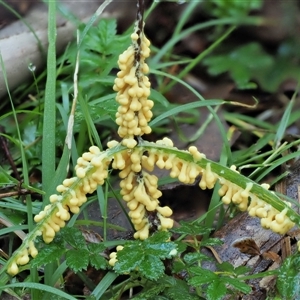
point(100, 52)
point(158, 237)
point(159, 98)
point(48, 254)
point(241, 270)
point(107, 29)
point(242, 64)
point(159, 245)
point(77, 260)
point(288, 280)
point(14, 216)
point(181, 246)
point(101, 38)
point(237, 284)
point(151, 267)
point(96, 248)
point(96, 259)
point(107, 108)
point(234, 8)
point(226, 267)
point(150, 292)
point(145, 256)
point(201, 276)
point(191, 258)
point(180, 291)
point(211, 242)
point(153, 289)
point(74, 237)
point(129, 258)
point(178, 266)
point(216, 290)
point(4, 179)
point(192, 229)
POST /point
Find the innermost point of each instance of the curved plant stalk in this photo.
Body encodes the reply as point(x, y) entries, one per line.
point(186, 163)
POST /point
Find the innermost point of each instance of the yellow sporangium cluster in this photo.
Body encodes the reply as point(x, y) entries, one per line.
point(133, 87)
point(139, 190)
point(233, 193)
point(113, 256)
point(22, 258)
point(91, 171)
point(270, 217)
point(187, 172)
point(72, 198)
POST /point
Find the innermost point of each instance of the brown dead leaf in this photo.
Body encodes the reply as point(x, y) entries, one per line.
point(91, 236)
point(247, 246)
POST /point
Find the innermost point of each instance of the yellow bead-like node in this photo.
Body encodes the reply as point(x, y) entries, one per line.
point(113, 256)
point(165, 211)
point(208, 178)
point(13, 269)
point(143, 233)
point(113, 259)
point(119, 248)
point(165, 223)
point(32, 250)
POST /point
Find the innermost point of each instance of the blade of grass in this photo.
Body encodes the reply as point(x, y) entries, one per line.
point(49, 122)
point(93, 134)
point(117, 196)
point(226, 21)
point(92, 20)
point(99, 224)
point(197, 59)
point(102, 200)
point(202, 128)
point(104, 284)
point(11, 292)
point(69, 138)
point(277, 163)
point(207, 103)
point(69, 148)
point(41, 287)
point(215, 199)
point(19, 111)
point(271, 156)
point(247, 155)
point(59, 273)
point(16, 206)
point(13, 229)
point(185, 107)
point(185, 15)
point(33, 273)
point(283, 123)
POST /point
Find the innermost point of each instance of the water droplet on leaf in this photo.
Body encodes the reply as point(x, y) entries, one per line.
point(31, 67)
